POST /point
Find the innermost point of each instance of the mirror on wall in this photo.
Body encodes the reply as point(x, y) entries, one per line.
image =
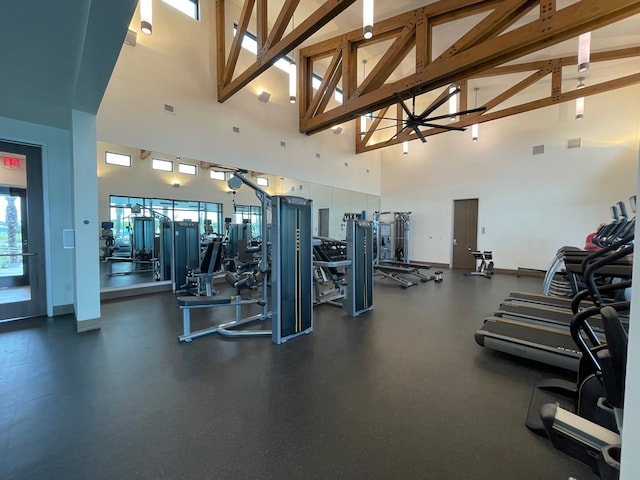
point(141, 201)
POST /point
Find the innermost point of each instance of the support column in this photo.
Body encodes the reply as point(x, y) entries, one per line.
point(85, 221)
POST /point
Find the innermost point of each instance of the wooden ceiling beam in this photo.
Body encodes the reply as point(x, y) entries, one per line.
point(389, 61)
point(280, 25)
point(236, 44)
point(553, 26)
point(504, 15)
point(276, 45)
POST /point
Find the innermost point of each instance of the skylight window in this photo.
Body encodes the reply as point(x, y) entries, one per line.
point(250, 43)
point(188, 7)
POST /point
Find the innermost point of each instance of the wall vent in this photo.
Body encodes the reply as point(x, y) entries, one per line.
point(537, 150)
point(574, 142)
point(168, 108)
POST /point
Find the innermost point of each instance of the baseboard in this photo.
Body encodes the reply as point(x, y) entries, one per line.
point(133, 291)
point(530, 272)
point(62, 309)
point(88, 325)
point(438, 265)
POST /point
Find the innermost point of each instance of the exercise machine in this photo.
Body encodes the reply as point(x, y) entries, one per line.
point(484, 262)
point(391, 259)
point(548, 343)
point(286, 263)
point(353, 290)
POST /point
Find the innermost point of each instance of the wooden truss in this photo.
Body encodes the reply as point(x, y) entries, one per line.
point(500, 37)
point(271, 44)
point(538, 71)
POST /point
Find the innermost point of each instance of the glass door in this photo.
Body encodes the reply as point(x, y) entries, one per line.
point(22, 270)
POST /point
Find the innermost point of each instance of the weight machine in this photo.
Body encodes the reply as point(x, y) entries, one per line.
point(356, 257)
point(290, 273)
point(392, 246)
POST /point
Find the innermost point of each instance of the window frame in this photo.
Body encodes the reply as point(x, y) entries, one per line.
point(190, 165)
point(163, 161)
point(106, 159)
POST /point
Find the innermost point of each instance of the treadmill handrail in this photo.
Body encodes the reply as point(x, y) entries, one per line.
point(583, 294)
point(580, 323)
point(590, 271)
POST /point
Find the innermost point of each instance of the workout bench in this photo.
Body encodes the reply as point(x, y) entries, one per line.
point(187, 303)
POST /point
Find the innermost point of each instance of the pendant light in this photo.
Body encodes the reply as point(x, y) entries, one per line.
point(405, 147)
point(453, 103)
point(584, 52)
point(293, 71)
point(580, 100)
point(367, 19)
point(474, 127)
point(363, 118)
point(146, 13)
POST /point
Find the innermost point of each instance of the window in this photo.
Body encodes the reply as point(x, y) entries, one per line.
point(164, 165)
point(251, 213)
point(250, 43)
point(124, 209)
point(117, 159)
point(217, 175)
point(262, 181)
point(188, 7)
point(187, 168)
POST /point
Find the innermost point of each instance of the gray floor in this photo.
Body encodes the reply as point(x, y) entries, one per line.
point(400, 393)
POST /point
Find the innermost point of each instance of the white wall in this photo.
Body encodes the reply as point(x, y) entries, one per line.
point(530, 204)
point(57, 185)
point(176, 65)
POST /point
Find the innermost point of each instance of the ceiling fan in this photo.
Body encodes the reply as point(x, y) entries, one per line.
point(415, 122)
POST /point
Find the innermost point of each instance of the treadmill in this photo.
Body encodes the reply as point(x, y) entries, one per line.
point(544, 342)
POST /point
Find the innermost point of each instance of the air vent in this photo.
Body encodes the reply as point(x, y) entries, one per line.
point(574, 143)
point(168, 108)
point(537, 150)
point(236, 129)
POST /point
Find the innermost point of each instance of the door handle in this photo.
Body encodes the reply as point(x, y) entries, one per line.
point(26, 254)
point(455, 242)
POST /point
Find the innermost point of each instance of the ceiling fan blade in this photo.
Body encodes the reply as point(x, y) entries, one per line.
point(397, 133)
point(444, 127)
point(382, 128)
point(448, 115)
point(387, 118)
point(419, 134)
point(404, 106)
point(438, 104)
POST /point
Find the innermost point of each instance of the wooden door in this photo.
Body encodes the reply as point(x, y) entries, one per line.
point(465, 233)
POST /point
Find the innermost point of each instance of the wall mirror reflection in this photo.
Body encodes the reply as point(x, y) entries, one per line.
point(146, 204)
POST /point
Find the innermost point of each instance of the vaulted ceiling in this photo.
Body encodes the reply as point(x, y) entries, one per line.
point(511, 55)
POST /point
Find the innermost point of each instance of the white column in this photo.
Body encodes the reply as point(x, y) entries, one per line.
point(85, 221)
point(630, 465)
